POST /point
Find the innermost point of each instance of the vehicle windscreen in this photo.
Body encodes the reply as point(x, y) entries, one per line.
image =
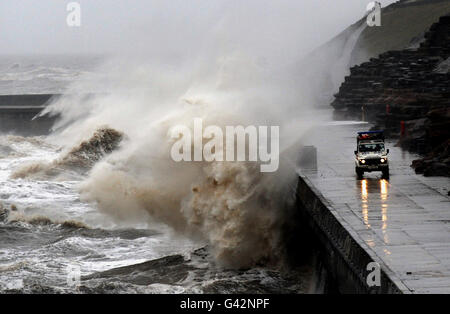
point(365, 148)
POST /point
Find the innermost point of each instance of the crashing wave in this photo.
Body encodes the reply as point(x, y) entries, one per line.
point(14, 215)
point(80, 158)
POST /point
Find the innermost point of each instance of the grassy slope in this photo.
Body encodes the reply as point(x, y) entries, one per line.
point(400, 23)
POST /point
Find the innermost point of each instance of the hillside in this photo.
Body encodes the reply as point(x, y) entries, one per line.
point(404, 24)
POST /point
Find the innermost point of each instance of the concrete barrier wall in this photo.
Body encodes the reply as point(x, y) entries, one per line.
point(35, 100)
point(344, 258)
point(21, 122)
point(18, 114)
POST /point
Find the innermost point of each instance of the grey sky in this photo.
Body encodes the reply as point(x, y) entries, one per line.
point(173, 26)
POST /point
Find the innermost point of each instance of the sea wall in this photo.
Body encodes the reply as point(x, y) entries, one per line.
point(344, 258)
point(18, 114)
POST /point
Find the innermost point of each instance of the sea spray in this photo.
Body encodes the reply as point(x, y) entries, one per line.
point(231, 205)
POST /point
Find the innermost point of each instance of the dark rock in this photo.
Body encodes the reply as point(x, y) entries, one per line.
point(437, 169)
point(436, 163)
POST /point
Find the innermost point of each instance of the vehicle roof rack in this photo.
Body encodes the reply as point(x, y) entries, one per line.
point(370, 135)
point(370, 132)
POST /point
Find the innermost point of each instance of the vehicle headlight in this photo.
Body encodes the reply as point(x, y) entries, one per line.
point(362, 161)
point(382, 160)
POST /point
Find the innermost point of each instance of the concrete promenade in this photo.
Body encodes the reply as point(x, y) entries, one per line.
point(403, 223)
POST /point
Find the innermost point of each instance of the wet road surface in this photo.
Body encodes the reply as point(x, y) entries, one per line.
point(404, 221)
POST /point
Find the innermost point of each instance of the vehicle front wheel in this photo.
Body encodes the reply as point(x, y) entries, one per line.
point(359, 173)
point(386, 173)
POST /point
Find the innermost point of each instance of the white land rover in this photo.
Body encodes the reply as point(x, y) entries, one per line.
point(371, 154)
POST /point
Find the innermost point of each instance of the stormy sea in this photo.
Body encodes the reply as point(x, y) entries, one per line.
point(97, 205)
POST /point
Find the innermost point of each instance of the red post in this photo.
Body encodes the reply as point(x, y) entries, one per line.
point(402, 128)
point(388, 109)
